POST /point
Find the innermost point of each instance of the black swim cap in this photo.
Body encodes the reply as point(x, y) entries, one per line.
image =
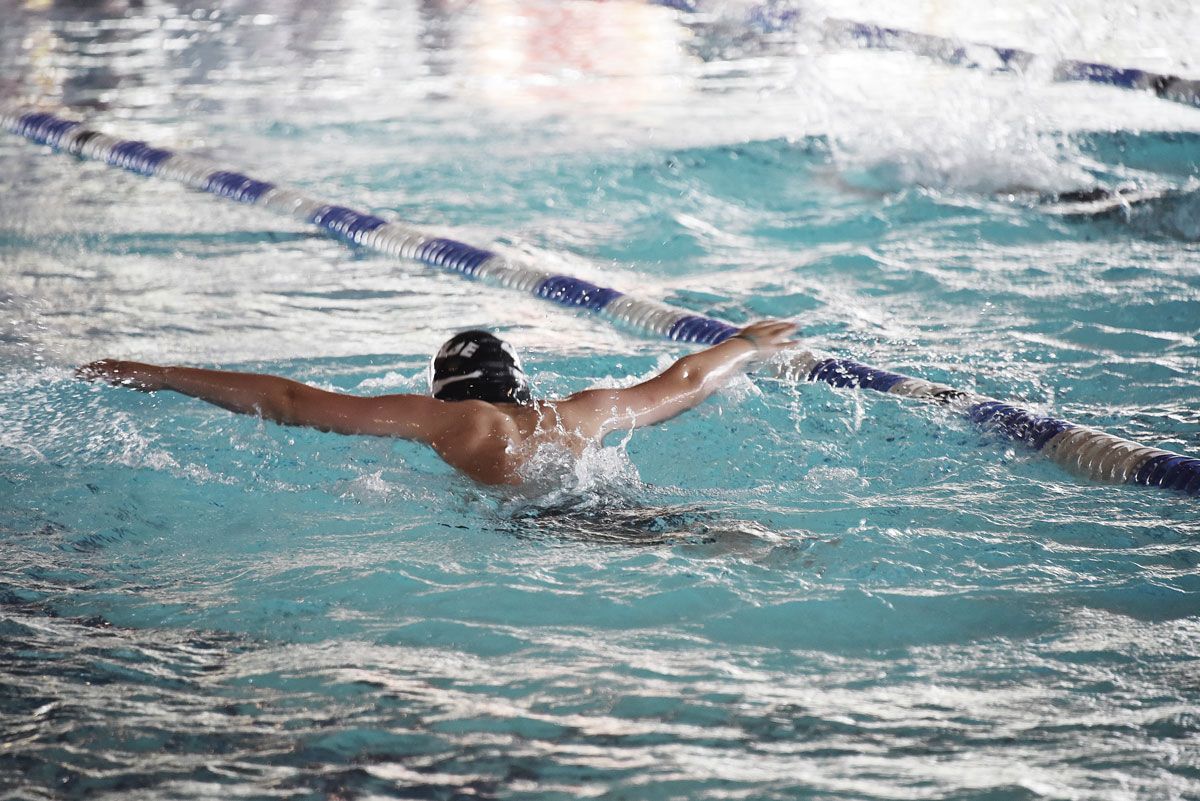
point(475, 365)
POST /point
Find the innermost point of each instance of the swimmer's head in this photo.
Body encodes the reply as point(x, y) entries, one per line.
point(475, 365)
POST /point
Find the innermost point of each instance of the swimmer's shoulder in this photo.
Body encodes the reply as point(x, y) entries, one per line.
point(540, 419)
point(585, 413)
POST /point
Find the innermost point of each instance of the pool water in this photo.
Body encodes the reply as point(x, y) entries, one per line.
point(793, 592)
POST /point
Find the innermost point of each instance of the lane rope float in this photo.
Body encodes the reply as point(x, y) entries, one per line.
point(1081, 450)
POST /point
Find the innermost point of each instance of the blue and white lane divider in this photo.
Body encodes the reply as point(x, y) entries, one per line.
point(774, 15)
point(1084, 451)
point(975, 55)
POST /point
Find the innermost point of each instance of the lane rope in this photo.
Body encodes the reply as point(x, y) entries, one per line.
point(782, 15)
point(977, 55)
point(1082, 450)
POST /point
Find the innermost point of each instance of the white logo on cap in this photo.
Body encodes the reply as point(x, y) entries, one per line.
point(464, 349)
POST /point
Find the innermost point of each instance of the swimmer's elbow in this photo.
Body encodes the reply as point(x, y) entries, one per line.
point(692, 378)
point(689, 380)
point(283, 405)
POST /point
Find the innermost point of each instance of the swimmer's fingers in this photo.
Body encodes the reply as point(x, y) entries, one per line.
point(768, 328)
point(98, 370)
point(769, 336)
point(146, 377)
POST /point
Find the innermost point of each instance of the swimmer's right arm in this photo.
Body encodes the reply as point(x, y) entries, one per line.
point(281, 399)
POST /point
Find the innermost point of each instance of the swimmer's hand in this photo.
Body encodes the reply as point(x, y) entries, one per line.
point(768, 337)
point(135, 375)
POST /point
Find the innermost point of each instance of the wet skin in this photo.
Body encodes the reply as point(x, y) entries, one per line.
point(490, 443)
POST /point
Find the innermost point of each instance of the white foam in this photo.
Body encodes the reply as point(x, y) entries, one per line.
point(958, 139)
point(367, 488)
point(554, 475)
point(395, 380)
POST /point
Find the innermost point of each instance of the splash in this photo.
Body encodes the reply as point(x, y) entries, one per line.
point(970, 143)
point(554, 475)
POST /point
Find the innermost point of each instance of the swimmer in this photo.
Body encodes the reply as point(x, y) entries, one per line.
point(479, 416)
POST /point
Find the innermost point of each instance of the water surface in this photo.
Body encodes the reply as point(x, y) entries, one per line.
point(794, 592)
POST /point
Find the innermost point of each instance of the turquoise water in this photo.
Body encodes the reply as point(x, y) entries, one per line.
point(793, 592)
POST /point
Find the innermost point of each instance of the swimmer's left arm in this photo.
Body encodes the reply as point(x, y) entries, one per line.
point(282, 400)
point(682, 386)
